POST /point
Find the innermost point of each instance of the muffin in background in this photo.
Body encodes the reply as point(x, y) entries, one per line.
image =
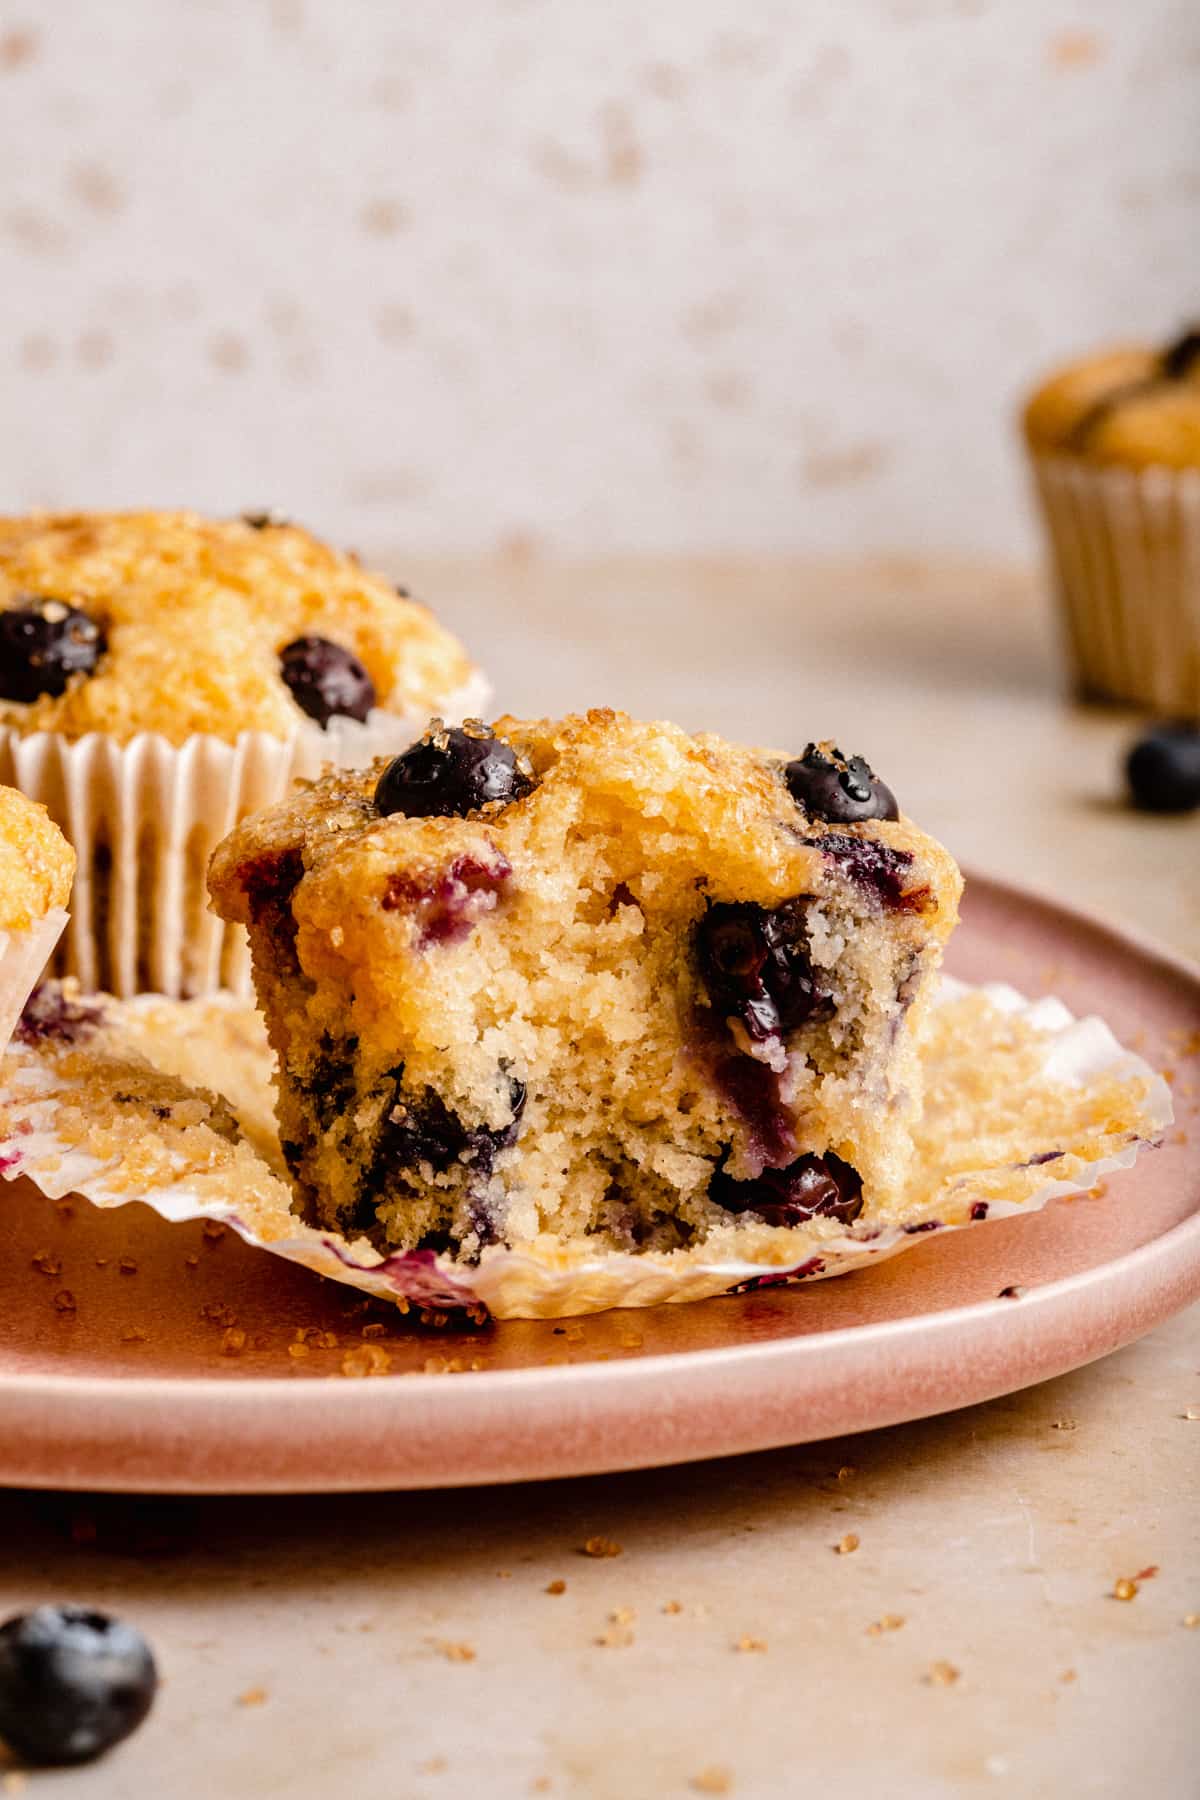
point(1115, 444)
point(163, 675)
point(36, 867)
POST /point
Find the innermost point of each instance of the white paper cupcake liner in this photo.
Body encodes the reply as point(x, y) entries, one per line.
point(23, 956)
point(1125, 553)
point(73, 1060)
point(145, 817)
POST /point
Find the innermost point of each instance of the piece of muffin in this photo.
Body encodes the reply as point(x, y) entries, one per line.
point(591, 978)
point(162, 675)
point(36, 867)
point(1115, 446)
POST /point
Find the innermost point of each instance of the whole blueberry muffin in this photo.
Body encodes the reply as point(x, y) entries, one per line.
point(591, 978)
point(36, 867)
point(161, 675)
point(1115, 444)
point(176, 624)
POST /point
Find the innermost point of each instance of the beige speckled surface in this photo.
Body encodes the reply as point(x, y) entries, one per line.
point(996, 1533)
point(694, 275)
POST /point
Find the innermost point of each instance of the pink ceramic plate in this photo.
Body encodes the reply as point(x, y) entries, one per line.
point(136, 1355)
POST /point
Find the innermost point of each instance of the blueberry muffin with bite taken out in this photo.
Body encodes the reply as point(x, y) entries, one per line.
point(593, 983)
point(162, 674)
point(1114, 440)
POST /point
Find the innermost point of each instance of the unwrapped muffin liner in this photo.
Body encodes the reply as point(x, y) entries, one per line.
point(1125, 553)
point(23, 956)
point(144, 818)
point(67, 1075)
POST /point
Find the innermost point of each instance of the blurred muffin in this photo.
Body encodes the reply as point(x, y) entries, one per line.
point(161, 676)
point(1115, 445)
point(36, 866)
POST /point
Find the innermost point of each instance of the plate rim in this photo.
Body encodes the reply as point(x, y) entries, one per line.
point(257, 1387)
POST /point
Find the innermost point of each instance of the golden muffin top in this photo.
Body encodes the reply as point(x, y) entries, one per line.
point(37, 865)
point(1130, 404)
point(678, 814)
point(173, 623)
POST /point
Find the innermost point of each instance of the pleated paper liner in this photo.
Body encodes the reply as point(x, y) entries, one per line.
point(112, 1100)
point(146, 816)
point(23, 956)
point(1125, 553)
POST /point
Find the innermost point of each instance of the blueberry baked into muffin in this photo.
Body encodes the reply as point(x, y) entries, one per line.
point(162, 675)
point(1114, 441)
point(592, 979)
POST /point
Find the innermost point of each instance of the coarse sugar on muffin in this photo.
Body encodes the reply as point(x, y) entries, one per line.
point(591, 978)
point(36, 868)
point(176, 624)
point(1114, 442)
point(163, 675)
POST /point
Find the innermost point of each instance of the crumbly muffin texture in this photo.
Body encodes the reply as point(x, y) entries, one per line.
point(37, 864)
point(168, 622)
point(1131, 404)
point(591, 979)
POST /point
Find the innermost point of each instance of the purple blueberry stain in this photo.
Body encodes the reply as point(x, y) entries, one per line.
point(268, 883)
point(1043, 1156)
point(922, 1225)
point(449, 903)
point(875, 868)
point(979, 1210)
point(415, 1275)
point(50, 1016)
point(752, 1089)
point(814, 1266)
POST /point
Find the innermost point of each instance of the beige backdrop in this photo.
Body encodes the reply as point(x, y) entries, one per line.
point(752, 274)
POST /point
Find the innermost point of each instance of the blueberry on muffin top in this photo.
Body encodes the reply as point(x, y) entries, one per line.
point(1133, 404)
point(452, 772)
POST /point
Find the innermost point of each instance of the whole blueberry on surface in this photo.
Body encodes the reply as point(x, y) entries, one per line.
point(42, 644)
point(73, 1683)
point(1163, 768)
point(843, 790)
point(326, 681)
point(453, 771)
